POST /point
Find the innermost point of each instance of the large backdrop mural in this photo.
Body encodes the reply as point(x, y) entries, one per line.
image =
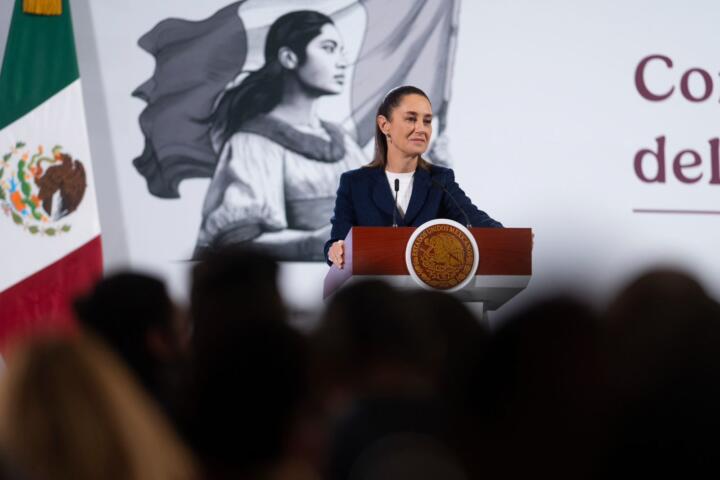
point(594, 123)
point(235, 100)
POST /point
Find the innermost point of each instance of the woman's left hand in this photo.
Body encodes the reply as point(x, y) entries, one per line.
point(336, 254)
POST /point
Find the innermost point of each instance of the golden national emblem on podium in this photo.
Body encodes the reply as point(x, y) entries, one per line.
point(442, 254)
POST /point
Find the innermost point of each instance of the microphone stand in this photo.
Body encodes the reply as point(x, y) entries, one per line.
point(397, 189)
point(467, 219)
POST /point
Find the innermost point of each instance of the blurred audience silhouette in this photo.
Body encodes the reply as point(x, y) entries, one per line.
point(389, 383)
point(134, 315)
point(248, 381)
point(664, 336)
point(69, 409)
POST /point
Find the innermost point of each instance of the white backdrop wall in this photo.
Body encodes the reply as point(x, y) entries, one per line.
point(544, 126)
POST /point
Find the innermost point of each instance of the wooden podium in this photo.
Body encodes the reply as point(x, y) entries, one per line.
point(504, 269)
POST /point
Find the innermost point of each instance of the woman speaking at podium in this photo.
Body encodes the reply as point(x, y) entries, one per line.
point(398, 187)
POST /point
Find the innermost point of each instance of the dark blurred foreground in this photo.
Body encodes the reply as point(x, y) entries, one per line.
point(390, 385)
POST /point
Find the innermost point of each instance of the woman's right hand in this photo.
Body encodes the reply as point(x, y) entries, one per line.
point(336, 254)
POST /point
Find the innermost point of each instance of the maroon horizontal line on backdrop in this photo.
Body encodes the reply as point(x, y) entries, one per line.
point(676, 211)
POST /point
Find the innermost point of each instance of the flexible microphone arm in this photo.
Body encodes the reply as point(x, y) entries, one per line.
point(467, 219)
point(397, 189)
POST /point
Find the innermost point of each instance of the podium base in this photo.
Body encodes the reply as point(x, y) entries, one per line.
point(486, 292)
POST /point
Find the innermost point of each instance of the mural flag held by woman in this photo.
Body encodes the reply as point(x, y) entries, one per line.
point(255, 130)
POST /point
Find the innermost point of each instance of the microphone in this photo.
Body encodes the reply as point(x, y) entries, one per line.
point(397, 189)
point(467, 219)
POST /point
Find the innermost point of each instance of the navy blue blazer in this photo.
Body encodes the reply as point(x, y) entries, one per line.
point(364, 198)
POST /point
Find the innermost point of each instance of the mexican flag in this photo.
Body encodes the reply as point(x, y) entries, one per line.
point(49, 227)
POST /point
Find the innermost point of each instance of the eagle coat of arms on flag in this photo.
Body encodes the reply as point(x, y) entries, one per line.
point(38, 190)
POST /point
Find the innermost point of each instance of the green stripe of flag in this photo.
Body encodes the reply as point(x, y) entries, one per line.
point(39, 61)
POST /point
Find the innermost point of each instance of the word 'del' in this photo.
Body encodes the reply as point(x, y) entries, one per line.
point(651, 163)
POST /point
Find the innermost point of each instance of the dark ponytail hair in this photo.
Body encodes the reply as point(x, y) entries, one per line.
point(262, 90)
point(389, 103)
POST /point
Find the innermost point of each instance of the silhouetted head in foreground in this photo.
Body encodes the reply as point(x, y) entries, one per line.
point(529, 401)
point(134, 315)
point(366, 342)
point(249, 366)
point(69, 410)
point(454, 336)
point(230, 286)
point(664, 339)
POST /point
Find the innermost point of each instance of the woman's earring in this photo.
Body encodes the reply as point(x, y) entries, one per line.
point(388, 138)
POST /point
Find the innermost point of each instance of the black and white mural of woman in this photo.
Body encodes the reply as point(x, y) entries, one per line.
point(273, 159)
point(279, 164)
